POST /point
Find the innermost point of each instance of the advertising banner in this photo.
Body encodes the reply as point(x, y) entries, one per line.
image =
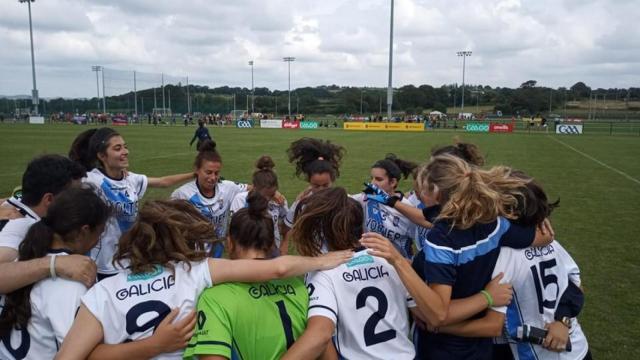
point(36, 120)
point(383, 126)
point(244, 124)
point(271, 124)
point(500, 128)
point(309, 125)
point(79, 119)
point(477, 127)
point(291, 124)
point(119, 120)
point(574, 129)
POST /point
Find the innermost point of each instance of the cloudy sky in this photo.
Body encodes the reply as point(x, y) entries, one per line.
point(344, 42)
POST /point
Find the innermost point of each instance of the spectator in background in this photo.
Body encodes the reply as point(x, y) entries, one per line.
point(202, 134)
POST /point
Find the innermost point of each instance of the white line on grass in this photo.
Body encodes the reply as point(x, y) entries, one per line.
point(595, 160)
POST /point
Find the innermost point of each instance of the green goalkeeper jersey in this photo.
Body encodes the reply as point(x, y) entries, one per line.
point(250, 321)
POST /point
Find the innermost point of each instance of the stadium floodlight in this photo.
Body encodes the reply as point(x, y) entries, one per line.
point(253, 94)
point(464, 55)
point(34, 93)
point(97, 68)
point(389, 86)
point(289, 60)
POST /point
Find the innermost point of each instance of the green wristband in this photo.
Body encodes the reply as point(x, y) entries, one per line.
point(488, 297)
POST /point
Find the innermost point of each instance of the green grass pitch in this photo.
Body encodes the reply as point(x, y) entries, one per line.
point(598, 220)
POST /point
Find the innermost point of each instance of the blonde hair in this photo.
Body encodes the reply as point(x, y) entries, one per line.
point(470, 195)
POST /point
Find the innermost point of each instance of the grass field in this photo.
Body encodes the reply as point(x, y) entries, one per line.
point(597, 179)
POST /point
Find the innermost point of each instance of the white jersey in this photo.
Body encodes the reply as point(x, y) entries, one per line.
point(289, 218)
point(14, 231)
point(539, 276)
point(216, 208)
point(388, 222)
point(276, 211)
point(367, 302)
point(130, 306)
point(54, 303)
point(123, 197)
point(420, 236)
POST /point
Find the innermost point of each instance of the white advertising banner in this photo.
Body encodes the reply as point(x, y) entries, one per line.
point(573, 129)
point(36, 120)
point(271, 124)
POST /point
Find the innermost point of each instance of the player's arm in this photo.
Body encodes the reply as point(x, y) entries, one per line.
point(17, 274)
point(495, 294)
point(169, 180)
point(412, 213)
point(223, 270)
point(167, 338)
point(433, 301)
point(490, 325)
point(85, 334)
point(284, 243)
point(313, 341)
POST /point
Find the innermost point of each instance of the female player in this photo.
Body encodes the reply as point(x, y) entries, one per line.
point(36, 318)
point(363, 302)
point(231, 309)
point(265, 182)
point(210, 195)
point(462, 247)
point(104, 154)
point(384, 219)
point(319, 161)
point(546, 281)
point(166, 268)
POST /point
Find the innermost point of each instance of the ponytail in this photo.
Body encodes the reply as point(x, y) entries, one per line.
point(264, 177)
point(88, 144)
point(395, 168)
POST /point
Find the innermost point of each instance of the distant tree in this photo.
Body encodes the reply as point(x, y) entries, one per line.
point(580, 90)
point(528, 84)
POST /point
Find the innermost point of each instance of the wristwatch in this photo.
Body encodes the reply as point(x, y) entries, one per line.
point(566, 321)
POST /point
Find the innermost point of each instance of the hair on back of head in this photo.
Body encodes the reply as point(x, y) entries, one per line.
point(73, 208)
point(252, 227)
point(48, 174)
point(88, 144)
point(165, 231)
point(465, 151)
point(533, 205)
point(396, 168)
point(314, 156)
point(264, 177)
point(207, 151)
point(327, 217)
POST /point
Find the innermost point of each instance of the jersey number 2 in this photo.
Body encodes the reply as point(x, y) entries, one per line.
point(542, 279)
point(370, 335)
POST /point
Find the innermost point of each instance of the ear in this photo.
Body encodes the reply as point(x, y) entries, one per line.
point(229, 244)
point(393, 182)
point(47, 199)
point(101, 156)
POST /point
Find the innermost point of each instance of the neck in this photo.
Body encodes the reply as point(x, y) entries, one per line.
point(240, 253)
point(208, 193)
point(39, 209)
point(57, 243)
point(114, 173)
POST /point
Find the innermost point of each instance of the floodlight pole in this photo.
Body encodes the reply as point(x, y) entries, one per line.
point(97, 69)
point(389, 85)
point(289, 60)
point(253, 94)
point(164, 107)
point(34, 93)
point(135, 94)
point(464, 55)
point(104, 94)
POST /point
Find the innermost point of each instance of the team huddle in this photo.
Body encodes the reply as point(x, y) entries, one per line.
point(465, 266)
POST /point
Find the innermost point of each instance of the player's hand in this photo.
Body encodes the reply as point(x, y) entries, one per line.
point(374, 193)
point(169, 336)
point(9, 212)
point(557, 337)
point(333, 258)
point(78, 268)
point(382, 247)
point(500, 293)
point(306, 192)
point(279, 198)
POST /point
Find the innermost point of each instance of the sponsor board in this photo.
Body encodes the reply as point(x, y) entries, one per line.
point(289, 124)
point(244, 124)
point(477, 127)
point(383, 126)
point(271, 124)
point(500, 128)
point(80, 120)
point(36, 120)
point(574, 129)
point(308, 125)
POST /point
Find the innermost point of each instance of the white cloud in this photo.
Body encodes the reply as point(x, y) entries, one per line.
point(341, 42)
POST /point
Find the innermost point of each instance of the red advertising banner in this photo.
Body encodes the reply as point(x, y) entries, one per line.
point(500, 128)
point(289, 124)
point(119, 120)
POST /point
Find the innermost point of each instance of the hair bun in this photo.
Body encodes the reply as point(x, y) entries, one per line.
point(265, 163)
point(207, 145)
point(258, 204)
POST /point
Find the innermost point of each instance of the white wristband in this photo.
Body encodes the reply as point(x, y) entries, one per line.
point(52, 266)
